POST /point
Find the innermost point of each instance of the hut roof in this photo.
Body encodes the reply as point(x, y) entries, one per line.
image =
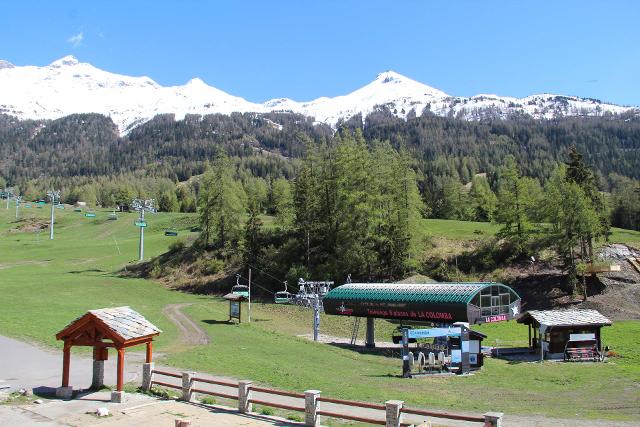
point(551, 318)
point(122, 323)
point(431, 293)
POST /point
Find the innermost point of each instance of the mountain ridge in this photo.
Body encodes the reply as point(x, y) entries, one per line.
point(68, 86)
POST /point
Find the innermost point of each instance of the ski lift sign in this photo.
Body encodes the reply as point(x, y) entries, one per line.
point(139, 223)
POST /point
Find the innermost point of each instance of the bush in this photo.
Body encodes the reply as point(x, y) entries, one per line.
point(214, 266)
point(208, 400)
point(265, 410)
point(177, 245)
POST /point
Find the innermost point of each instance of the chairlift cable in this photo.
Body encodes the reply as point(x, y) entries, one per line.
point(253, 282)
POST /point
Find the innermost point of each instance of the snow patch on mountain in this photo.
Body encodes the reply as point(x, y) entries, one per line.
point(68, 86)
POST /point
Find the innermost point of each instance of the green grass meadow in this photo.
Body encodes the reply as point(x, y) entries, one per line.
point(45, 284)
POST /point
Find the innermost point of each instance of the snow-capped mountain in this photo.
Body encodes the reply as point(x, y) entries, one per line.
point(68, 86)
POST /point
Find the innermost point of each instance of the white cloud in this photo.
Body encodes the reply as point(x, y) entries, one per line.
point(77, 39)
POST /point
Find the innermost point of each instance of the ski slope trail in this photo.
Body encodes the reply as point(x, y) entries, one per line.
point(190, 332)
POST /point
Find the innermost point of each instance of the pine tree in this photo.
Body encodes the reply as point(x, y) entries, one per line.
point(252, 235)
point(483, 199)
point(573, 218)
point(222, 203)
point(514, 206)
point(282, 200)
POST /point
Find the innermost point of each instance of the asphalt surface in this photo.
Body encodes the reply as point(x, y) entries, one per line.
point(27, 366)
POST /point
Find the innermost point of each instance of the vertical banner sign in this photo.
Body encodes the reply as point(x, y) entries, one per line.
point(234, 310)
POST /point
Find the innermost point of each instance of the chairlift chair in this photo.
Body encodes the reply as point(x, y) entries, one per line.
point(112, 216)
point(171, 232)
point(283, 297)
point(242, 290)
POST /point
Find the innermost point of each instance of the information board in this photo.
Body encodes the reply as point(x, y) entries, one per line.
point(433, 332)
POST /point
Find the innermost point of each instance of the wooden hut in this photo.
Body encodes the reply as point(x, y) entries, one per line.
point(572, 334)
point(117, 327)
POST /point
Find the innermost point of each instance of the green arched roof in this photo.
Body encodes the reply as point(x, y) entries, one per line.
point(428, 293)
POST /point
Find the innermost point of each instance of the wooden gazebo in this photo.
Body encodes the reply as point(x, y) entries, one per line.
point(117, 327)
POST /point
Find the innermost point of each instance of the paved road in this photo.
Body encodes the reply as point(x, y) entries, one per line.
point(24, 365)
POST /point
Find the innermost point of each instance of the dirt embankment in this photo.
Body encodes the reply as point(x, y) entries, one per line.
point(29, 225)
point(615, 294)
point(620, 294)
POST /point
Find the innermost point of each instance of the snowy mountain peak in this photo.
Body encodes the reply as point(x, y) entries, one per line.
point(196, 81)
point(5, 64)
point(403, 83)
point(68, 86)
point(68, 60)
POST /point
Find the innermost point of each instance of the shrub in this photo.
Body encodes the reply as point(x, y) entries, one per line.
point(265, 410)
point(208, 400)
point(214, 266)
point(177, 245)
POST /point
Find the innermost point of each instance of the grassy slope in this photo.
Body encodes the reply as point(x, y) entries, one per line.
point(45, 284)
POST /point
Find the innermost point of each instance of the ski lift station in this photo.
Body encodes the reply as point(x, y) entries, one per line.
point(450, 306)
point(424, 304)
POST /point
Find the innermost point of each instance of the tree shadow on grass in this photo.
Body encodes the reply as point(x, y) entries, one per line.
point(89, 270)
point(219, 322)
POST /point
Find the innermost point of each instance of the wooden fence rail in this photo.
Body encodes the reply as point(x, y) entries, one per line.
point(393, 409)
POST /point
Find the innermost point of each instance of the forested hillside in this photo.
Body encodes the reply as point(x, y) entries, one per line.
point(80, 151)
point(89, 145)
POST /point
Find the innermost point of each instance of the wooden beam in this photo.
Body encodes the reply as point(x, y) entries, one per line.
point(120, 369)
point(139, 340)
point(100, 344)
point(66, 361)
point(149, 357)
point(63, 334)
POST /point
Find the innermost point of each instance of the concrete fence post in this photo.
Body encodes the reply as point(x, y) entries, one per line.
point(311, 408)
point(493, 419)
point(394, 412)
point(244, 394)
point(187, 384)
point(147, 376)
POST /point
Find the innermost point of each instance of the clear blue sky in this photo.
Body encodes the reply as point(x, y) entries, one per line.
point(302, 49)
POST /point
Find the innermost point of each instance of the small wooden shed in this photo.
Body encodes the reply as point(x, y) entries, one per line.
point(116, 327)
point(553, 330)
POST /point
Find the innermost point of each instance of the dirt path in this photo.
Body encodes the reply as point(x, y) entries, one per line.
point(190, 332)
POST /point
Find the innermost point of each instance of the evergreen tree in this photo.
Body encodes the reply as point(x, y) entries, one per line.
point(282, 200)
point(168, 201)
point(579, 173)
point(514, 206)
point(252, 235)
point(222, 203)
point(483, 199)
point(573, 219)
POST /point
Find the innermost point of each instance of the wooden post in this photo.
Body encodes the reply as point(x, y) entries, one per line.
point(120, 369)
point(530, 336)
point(66, 361)
point(149, 357)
